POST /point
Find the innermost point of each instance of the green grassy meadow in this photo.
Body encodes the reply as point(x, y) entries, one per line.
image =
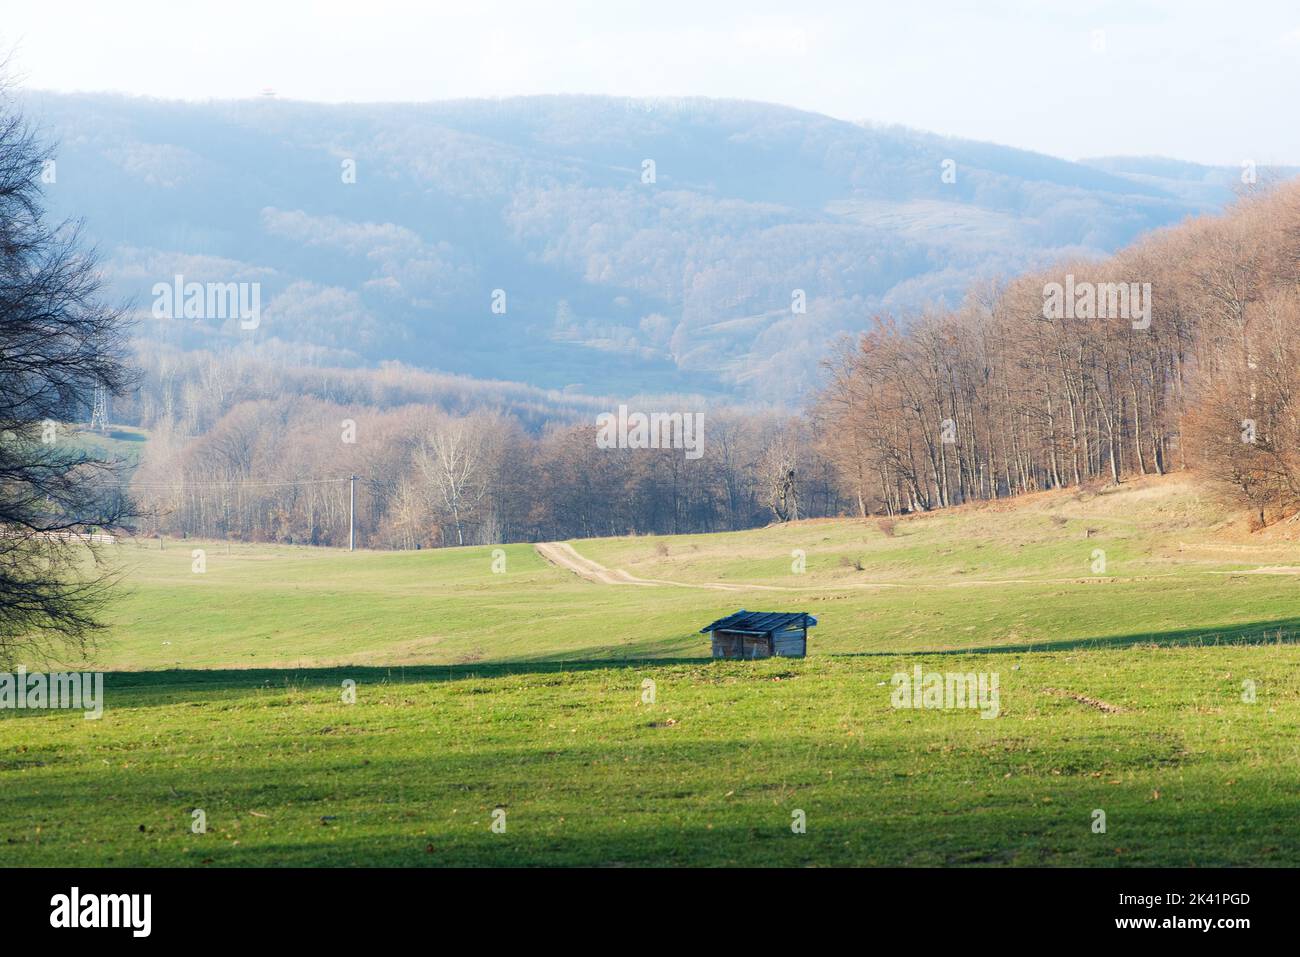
point(1121, 690)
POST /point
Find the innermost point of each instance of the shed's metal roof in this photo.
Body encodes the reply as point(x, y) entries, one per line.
point(761, 622)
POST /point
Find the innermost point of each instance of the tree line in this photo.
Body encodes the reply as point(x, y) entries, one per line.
point(1176, 352)
point(278, 469)
point(1010, 393)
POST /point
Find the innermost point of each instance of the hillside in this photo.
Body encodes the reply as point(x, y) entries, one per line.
point(1002, 576)
point(589, 715)
point(680, 284)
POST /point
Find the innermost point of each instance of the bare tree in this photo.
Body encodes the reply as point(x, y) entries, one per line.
point(58, 343)
point(452, 461)
point(778, 467)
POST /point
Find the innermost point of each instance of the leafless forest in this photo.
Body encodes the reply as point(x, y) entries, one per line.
point(1027, 403)
point(921, 412)
point(439, 461)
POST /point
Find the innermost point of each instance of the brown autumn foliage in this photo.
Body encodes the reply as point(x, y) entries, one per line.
point(1183, 356)
point(1003, 396)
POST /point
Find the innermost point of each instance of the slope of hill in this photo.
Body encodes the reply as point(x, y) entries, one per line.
point(684, 280)
point(1160, 689)
point(1208, 186)
point(1054, 570)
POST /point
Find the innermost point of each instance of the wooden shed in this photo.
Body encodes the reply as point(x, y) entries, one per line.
point(761, 634)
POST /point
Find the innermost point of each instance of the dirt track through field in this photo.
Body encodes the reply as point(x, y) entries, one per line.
point(565, 556)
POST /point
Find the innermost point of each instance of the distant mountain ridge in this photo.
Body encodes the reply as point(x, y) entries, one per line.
point(637, 246)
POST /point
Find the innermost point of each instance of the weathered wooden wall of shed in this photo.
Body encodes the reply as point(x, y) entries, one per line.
point(730, 644)
point(792, 643)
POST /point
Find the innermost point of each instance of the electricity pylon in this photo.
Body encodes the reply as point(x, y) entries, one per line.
point(99, 414)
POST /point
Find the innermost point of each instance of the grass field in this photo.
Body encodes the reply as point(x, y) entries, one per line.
point(1121, 690)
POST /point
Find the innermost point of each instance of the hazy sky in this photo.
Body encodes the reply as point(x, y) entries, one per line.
point(1208, 81)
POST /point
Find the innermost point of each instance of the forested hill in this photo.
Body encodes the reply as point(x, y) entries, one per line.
point(684, 280)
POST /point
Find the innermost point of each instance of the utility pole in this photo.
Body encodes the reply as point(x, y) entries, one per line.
point(352, 513)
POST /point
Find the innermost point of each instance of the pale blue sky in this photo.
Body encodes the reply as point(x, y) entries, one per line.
point(1208, 81)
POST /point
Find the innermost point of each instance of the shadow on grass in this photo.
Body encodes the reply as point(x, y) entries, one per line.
point(1283, 631)
point(754, 834)
point(166, 683)
point(235, 679)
